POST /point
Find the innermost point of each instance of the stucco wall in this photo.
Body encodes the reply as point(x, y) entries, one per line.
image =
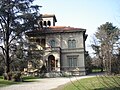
point(56, 37)
point(77, 36)
point(62, 39)
point(80, 57)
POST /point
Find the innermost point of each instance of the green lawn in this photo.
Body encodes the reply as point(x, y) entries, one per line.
point(96, 70)
point(25, 79)
point(95, 83)
point(29, 78)
point(5, 82)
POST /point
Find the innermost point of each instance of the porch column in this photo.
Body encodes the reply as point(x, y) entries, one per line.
point(55, 64)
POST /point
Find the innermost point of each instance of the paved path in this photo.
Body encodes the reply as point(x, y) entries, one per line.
point(44, 84)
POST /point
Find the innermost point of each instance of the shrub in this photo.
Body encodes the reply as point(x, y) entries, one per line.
point(65, 74)
point(1, 71)
point(16, 76)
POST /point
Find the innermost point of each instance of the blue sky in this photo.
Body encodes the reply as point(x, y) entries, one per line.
point(88, 14)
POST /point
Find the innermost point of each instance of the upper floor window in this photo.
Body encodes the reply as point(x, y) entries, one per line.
point(72, 43)
point(52, 43)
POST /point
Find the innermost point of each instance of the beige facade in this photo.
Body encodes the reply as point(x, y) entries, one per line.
point(63, 48)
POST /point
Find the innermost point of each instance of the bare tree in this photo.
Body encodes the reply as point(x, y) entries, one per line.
point(107, 36)
point(98, 52)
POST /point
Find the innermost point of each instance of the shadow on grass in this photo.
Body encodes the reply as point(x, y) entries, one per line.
point(1, 77)
point(29, 81)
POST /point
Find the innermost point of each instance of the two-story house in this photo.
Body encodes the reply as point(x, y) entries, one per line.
point(62, 48)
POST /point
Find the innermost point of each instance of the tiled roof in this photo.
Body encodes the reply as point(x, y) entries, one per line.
point(64, 28)
point(56, 29)
point(47, 15)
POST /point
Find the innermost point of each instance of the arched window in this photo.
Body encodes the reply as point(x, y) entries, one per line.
point(72, 43)
point(69, 43)
point(52, 43)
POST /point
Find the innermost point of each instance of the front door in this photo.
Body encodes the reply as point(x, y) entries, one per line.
point(51, 63)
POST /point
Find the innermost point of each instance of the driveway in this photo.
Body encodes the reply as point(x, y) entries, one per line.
point(44, 84)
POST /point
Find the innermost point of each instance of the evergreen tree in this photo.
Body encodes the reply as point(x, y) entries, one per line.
point(16, 17)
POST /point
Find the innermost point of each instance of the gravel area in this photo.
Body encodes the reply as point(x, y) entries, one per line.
point(44, 84)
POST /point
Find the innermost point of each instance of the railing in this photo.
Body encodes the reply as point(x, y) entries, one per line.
point(52, 49)
point(73, 50)
point(48, 49)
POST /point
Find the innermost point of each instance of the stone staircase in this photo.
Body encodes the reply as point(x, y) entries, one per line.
point(52, 74)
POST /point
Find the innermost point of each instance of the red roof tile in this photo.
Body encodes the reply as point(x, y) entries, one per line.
point(53, 29)
point(65, 28)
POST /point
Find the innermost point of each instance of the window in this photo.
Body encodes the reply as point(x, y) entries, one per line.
point(38, 40)
point(69, 43)
point(52, 43)
point(43, 43)
point(72, 61)
point(72, 43)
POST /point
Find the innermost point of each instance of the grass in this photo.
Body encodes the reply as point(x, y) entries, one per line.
point(6, 82)
point(29, 78)
point(96, 70)
point(95, 83)
point(25, 79)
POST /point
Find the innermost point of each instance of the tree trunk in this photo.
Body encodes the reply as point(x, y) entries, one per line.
point(7, 59)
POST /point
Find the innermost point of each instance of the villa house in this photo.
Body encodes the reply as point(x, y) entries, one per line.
point(59, 48)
